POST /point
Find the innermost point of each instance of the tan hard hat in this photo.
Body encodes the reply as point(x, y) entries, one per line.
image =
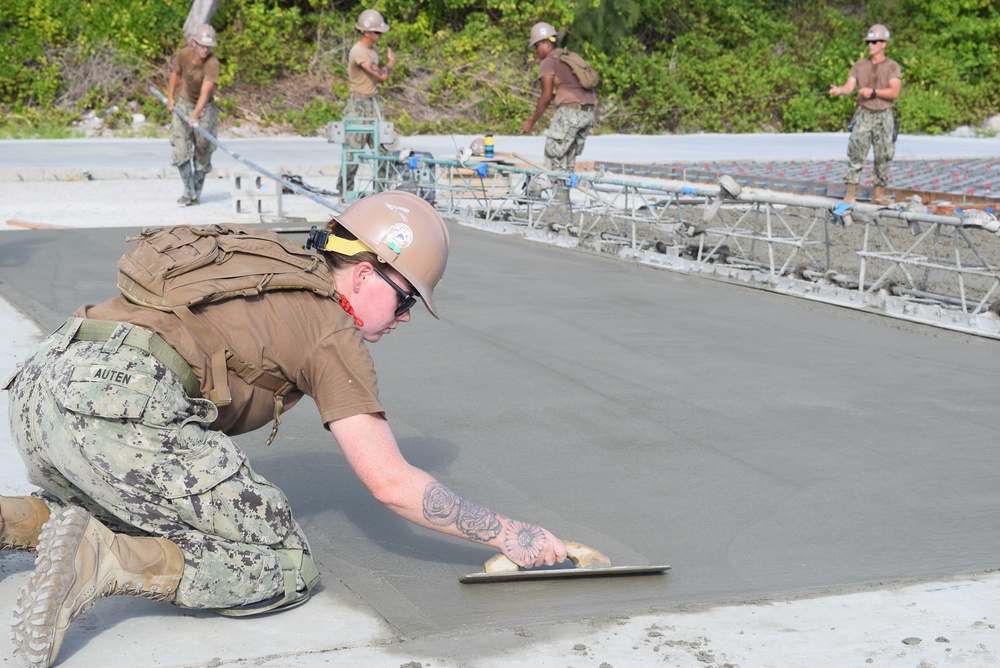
point(478, 145)
point(205, 35)
point(371, 20)
point(541, 31)
point(877, 33)
point(406, 233)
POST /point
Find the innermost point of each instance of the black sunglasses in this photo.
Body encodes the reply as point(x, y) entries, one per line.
point(876, 41)
point(406, 300)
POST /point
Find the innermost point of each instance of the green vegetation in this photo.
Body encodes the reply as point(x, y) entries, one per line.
point(464, 66)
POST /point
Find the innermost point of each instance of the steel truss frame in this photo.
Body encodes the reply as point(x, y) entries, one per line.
point(898, 261)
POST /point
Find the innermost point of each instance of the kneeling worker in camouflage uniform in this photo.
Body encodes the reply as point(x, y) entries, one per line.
point(878, 80)
point(124, 415)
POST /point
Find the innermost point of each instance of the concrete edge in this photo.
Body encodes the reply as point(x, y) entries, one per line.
point(70, 174)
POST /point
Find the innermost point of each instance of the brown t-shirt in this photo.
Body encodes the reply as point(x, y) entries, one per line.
point(360, 81)
point(879, 75)
point(194, 74)
point(297, 335)
point(567, 87)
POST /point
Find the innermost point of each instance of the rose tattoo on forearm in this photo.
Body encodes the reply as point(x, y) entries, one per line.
point(443, 507)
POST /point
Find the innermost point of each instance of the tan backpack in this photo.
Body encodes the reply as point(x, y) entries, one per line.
point(174, 269)
point(584, 73)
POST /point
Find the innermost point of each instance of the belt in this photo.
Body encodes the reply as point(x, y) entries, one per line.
point(141, 339)
point(358, 97)
point(581, 107)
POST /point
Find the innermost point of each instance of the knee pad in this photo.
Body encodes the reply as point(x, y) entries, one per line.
point(299, 574)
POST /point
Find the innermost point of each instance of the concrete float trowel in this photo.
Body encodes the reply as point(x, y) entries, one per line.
point(587, 562)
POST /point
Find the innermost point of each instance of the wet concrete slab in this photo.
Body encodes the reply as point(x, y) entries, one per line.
point(763, 446)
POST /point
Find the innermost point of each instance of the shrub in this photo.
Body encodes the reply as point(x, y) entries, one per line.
point(464, 65)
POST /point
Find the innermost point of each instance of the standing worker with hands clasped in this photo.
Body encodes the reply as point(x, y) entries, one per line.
point(194, 77)
point(574, 116)
point(123, 418)
point(878, 80)
point(363, 74)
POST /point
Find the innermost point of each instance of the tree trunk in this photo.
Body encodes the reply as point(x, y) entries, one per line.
point(201, 13)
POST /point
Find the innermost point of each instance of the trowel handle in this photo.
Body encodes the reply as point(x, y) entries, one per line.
point(581, 556)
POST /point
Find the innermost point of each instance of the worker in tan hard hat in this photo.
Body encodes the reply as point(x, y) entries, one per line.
point(191, 89)
point(573, 119)
point(878, 81)
point(123, 426)
point(364, 74)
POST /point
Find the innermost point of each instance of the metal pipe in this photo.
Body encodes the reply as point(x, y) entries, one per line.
point(297, 189)
point(749, 195)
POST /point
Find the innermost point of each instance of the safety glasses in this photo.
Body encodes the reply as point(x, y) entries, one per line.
point(406, 300)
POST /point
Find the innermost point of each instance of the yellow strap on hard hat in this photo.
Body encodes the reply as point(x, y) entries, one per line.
point(344, 246)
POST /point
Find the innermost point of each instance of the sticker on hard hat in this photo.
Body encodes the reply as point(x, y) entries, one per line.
point(398, 237)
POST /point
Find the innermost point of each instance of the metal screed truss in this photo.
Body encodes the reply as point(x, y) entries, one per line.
point(899, 261)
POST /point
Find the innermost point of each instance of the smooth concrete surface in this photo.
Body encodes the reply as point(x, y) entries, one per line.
point(767, 448)
point(760, 445)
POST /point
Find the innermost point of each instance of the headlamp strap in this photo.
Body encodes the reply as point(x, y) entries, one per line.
point(324, 241)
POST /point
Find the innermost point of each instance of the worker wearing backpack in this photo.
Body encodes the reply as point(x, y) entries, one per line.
point(124, 418)
point(569, 83)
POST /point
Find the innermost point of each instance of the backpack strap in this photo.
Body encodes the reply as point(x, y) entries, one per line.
point(251, 374)
point(223, 359)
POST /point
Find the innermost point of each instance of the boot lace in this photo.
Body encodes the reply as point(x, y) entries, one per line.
point(154, 593)
point(12, 545)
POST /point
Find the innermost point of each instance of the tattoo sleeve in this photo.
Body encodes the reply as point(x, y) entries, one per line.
point(442, 507)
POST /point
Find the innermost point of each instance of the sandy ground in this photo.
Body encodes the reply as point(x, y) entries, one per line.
point(920, 624)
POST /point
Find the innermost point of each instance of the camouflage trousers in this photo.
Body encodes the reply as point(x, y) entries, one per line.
point(356, 141)
point(565, 137)
point(872, 129)
point(109, 428)
point(188, 143)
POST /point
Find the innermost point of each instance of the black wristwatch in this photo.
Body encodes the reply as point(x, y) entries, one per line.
point(873, 95)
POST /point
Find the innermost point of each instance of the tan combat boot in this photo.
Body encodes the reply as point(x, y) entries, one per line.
point(852, 193)
point(79, 562)
point(21, 520)
point(878, 196)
